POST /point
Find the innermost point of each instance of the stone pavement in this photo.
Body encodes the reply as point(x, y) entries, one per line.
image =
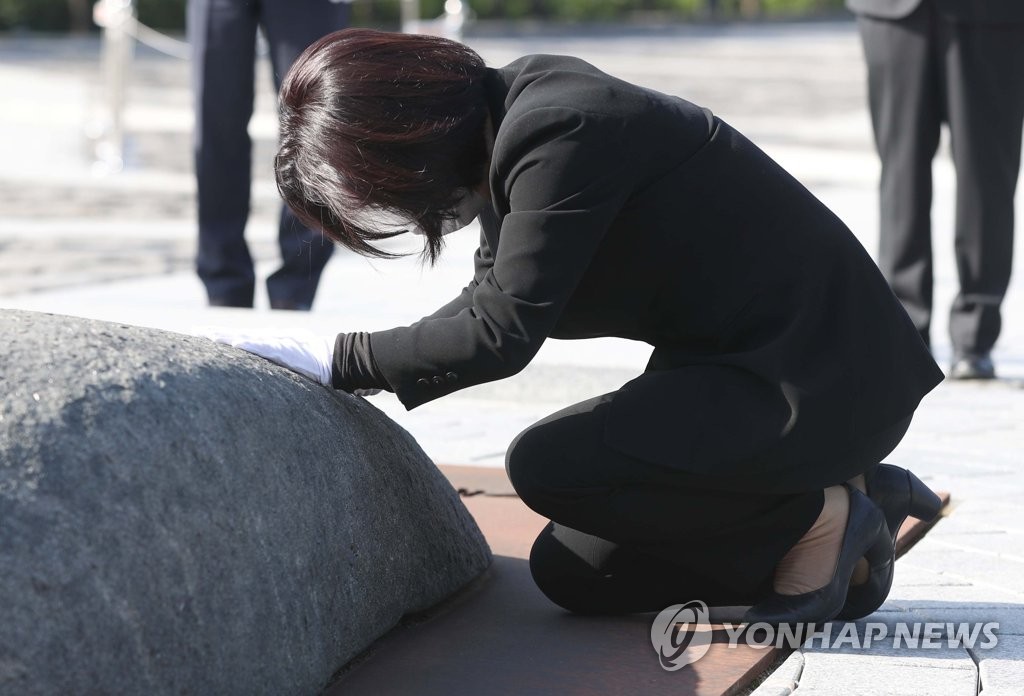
point(119, 247)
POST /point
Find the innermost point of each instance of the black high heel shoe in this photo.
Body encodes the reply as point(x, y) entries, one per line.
point(899, 494)
point(866, 536)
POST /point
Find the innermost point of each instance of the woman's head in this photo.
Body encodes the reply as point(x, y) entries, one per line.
point(381, 131)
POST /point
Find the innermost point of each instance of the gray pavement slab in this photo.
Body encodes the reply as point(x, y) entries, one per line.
point(784, 679)
point(980, 569)
point(1002, 668)
point(888, 672)
point(939, 595)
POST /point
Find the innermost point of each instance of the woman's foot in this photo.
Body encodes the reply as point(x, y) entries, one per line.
point(899, 494)
point(812, 582)
point(863, 569)
point(811, 564)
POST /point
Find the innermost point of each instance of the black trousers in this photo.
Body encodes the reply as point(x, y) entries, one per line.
point(631, 536)
point(223, 38)
point(924, 70)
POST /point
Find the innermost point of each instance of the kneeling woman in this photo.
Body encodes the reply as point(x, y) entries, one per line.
point(783, 371)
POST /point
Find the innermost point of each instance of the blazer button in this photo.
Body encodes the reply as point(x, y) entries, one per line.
point(423, 382)
point(438, 381)
point(452, 377)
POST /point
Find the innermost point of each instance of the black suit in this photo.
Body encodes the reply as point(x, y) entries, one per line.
point(779, 350)
point(223, 38)
point(962, 63)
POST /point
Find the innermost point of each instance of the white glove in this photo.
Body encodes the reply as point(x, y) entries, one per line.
point(300, 350)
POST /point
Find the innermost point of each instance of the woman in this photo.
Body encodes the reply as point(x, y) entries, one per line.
point(732, 470)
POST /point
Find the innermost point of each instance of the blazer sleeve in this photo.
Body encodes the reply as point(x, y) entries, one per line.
point(562, 185)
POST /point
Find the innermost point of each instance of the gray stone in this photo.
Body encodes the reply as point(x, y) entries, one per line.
point(997, 544)
point(1002, 667)
point(884, 671)
point(179, 517)
point(916, 596)
point(908, 575)
point(783, 681)
point(963, 565)
point(1009, 617)
point(771, 690)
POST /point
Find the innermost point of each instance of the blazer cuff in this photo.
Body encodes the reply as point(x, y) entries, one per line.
point(353, 366)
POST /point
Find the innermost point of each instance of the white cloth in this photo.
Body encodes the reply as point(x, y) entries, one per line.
point(300, 350)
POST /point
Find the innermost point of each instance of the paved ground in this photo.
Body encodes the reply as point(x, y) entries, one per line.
point(74, 240)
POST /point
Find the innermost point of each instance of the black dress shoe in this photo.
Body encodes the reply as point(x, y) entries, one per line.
point(866, 536)
point(239, 302)
point(899, 494)
point(969, 366)
point(291, 305)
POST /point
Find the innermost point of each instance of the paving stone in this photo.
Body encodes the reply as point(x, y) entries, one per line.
point(1002, 668)
point(979, 568)
point(784, 679)
point(1010, 617)
point(977, 514)
point(908, 574)
point(772, 691)
point(1001, 544)
point(918, 596)
point(886, 672)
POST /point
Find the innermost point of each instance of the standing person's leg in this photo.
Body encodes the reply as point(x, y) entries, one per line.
point(656, 532)
point(985, 77)
point(291, 27)
point(223, 38)
point(906, 112)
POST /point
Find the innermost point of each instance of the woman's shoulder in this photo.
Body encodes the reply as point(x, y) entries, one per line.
point(543, 62)
point(548, 96)
point(554, 80)
point(567, 84)
point(548, 92)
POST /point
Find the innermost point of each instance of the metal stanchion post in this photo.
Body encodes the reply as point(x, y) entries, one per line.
point(410, 16)
point(448, 25)
point(454, 19)
point(115, 16)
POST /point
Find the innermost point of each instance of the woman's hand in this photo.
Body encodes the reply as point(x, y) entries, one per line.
point(300, 350)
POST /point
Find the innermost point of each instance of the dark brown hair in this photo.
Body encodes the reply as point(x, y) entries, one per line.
point(379, 122)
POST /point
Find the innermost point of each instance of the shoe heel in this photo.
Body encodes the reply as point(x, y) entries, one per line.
point(882, 551)
point(924, 504)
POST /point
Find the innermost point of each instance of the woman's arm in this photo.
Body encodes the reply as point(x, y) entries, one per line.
point(565, 179)
point(564, 182)
point(353, 366)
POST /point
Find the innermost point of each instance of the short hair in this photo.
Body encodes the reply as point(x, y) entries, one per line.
point(375, 125)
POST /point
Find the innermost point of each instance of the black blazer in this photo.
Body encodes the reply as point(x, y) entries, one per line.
point(988, 11)
point(619, 211)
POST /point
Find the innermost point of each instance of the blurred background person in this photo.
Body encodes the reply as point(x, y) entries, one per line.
point(960, 62)
point(222, 34)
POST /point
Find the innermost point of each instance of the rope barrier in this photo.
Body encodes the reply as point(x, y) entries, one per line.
point(148, 36)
